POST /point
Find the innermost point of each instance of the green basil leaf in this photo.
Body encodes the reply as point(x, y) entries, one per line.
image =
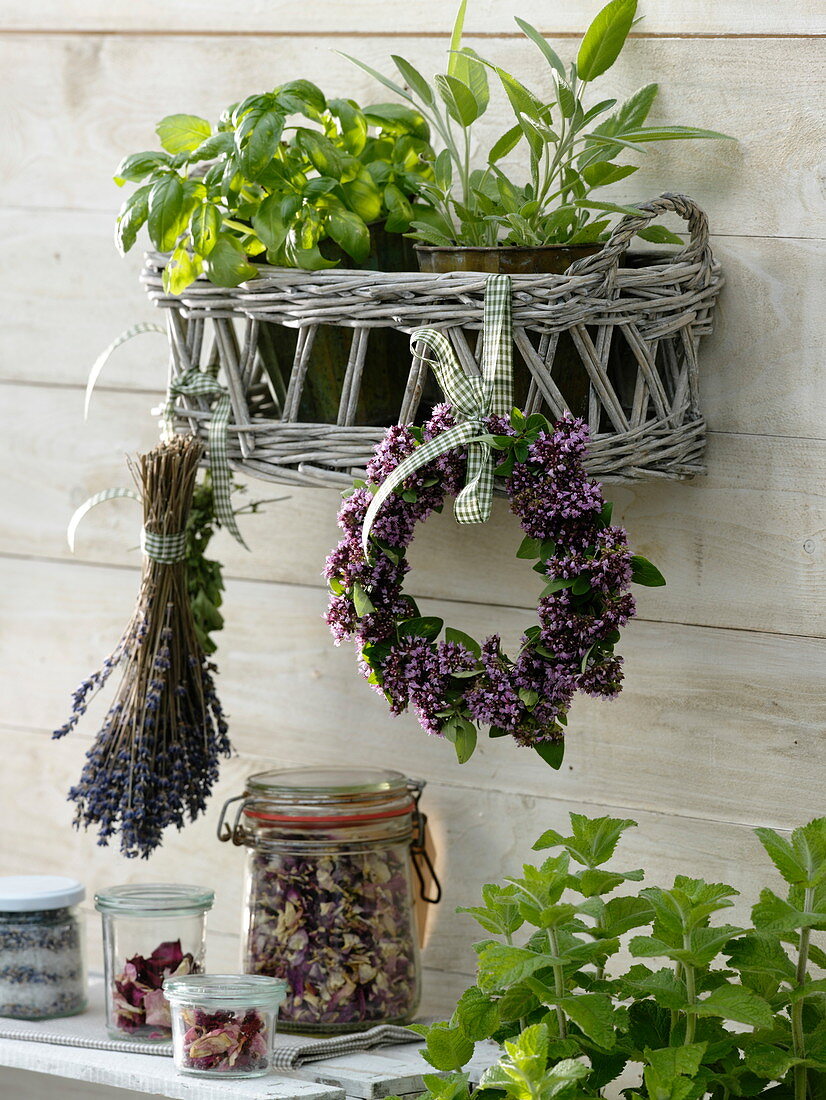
point(214, 146)
point(269, 224)
point(257, 139)
point(132, 216)
point(227, 264)
point(182, 133)
point(137, 166)
point(166, 202)
point(181, 270)
point(204, 227)
point(350, 233)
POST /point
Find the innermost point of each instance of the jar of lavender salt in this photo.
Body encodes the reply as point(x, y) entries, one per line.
point(42, 972)
point(329, 903)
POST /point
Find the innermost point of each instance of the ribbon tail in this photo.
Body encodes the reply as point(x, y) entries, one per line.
point(475, 501)
point(447, 441)
point(88, 505)
point(219, 468)
point(101, 361)
point(497, 347)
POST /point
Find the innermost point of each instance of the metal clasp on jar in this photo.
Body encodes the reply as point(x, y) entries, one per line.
point(420, 856)
point(237, 833)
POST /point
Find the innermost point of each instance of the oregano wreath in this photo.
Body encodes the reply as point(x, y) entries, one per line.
point(455, 684)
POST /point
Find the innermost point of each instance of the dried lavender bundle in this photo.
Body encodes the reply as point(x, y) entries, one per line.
point(155, 758)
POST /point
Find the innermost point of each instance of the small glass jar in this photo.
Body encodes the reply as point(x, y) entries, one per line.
point(150, 933)
point(42, 971)
point(328, 897)
point(223, 1025)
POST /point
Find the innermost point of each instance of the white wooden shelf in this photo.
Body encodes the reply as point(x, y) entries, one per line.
point(368, 1075)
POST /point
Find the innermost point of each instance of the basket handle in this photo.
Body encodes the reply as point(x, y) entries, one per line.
point(697, 248)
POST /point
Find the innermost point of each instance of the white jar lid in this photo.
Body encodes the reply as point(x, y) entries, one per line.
point(29, 893)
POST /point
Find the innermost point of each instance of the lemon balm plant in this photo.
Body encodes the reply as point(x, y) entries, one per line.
point(723, 1011)
point(282, 175)
point(573, 144)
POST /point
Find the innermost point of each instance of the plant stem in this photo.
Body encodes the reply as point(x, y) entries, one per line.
point(675, 1015)
point(800, 1075)
point(559, 982)
point(691, 994)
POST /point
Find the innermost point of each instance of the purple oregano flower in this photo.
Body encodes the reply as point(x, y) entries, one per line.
point(456, 685)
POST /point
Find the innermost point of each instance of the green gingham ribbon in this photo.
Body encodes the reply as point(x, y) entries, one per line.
point(166, 549)
point(195, 383)
point(473, 398)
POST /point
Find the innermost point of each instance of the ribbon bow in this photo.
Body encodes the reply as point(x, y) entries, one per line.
point(195, 383)
point(473, 398)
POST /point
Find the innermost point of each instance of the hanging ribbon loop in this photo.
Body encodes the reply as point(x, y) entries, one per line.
point(473, 398)
point(195, 383)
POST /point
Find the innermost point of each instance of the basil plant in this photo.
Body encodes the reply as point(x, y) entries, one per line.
point(709, 1009)
point(280, 174)
point(573, 144)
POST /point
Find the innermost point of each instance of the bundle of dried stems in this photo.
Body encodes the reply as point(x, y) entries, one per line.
point(154, 761)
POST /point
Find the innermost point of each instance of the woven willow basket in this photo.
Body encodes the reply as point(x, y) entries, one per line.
point(618, 343)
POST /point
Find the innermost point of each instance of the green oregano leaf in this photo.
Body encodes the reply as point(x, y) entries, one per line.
point(423, 626)
point(459, 636)
point(552, 752)
point(362, 602)
point(643, 572)
point(529, 548)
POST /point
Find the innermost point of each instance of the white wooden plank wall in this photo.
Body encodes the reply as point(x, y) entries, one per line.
point(720, 727)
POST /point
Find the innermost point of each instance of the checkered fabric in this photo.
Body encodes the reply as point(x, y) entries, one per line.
point(289, 1051)
point(195, 383)
point(166, 549)
point(473, 398)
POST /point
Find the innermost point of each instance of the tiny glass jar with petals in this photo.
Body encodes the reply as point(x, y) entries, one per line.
point(151, 932)
point(329, 903)
point(223, 1025)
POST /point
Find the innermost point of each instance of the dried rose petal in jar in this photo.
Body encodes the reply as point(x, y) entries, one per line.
point(151, 932)
point(223, 1024)
point(329, 900)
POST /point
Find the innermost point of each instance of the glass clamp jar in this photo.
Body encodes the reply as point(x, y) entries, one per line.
point(223, 1025)
point(42, 971)
point(151, 932)
point(329, 903)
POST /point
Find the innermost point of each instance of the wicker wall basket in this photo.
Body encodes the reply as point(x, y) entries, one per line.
point(613, 340)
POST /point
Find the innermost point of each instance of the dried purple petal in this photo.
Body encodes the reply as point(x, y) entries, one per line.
point(137, 998)
point(339, 930)
point(225, 1041)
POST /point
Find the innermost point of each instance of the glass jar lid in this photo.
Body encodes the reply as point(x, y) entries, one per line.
point(247, 989)
point(154, 899)
point(32, 893)
point(329, 795)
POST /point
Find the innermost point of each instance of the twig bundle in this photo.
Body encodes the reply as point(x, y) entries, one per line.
point(155, 759)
